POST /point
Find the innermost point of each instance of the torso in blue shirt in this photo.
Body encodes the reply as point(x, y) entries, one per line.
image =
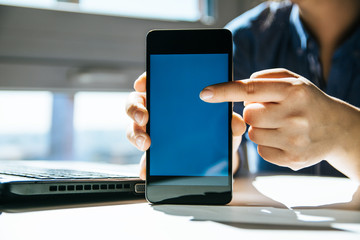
point(273, 36)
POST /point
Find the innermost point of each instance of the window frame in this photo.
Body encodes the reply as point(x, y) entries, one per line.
point(66, 52)
point(52, 50)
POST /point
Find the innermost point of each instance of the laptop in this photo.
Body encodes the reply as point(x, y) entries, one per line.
point(37, 184)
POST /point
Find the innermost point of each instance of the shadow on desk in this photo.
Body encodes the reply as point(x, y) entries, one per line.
point(269, 217)
point(283, 203)
point(52, 203)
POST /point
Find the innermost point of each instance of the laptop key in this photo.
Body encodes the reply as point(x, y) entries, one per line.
point(58, 174)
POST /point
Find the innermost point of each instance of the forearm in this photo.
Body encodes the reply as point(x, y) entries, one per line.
point(346, 154)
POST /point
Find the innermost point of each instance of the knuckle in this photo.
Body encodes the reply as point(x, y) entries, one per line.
point(250, 87)
point(130, 102)
point(299, 90)
point(298, 141)
point(252, 133)
point(129, 133)
point(299, 123)
point(132, 131)
point(130, 109)
point(249, 115)
point(255, 114)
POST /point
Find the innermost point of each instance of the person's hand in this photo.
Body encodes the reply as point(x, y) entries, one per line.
point(136, 110)
point(293, 122)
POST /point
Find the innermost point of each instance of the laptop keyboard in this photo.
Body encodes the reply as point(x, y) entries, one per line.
point(46, 173)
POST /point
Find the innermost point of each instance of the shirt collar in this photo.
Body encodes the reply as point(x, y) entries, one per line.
point(299, 28)
point(304, 37)
point(351, 45)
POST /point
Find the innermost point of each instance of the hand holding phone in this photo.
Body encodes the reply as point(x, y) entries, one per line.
point(137, 135)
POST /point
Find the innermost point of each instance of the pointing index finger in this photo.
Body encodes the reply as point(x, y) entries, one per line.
point(253, 90)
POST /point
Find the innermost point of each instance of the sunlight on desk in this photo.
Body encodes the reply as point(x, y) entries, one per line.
point(303, 191)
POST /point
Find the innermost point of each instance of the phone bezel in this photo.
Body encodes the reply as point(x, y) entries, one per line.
point(188, 41)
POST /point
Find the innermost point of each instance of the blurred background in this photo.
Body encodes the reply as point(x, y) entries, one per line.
point(67, 67)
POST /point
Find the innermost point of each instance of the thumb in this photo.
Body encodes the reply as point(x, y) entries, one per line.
point(274, 73)
point(238, 125)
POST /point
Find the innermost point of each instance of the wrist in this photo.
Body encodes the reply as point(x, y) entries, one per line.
point(345, 155)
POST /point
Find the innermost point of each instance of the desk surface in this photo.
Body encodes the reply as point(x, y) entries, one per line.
point(272, 207)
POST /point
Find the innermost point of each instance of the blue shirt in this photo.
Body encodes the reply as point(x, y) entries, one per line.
point(272, 35)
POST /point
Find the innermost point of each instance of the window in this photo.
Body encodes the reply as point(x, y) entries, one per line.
point(100, 124)
point(46, 44)
point(25, 119)
point(30, 127)
point(185, 10)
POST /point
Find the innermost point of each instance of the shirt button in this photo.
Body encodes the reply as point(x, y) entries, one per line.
point(311, 45)
point(311, 58)
point(299, 51)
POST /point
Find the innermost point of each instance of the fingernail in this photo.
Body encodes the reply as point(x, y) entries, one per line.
point(140, 142)
point(139, 117)
point(206, 94)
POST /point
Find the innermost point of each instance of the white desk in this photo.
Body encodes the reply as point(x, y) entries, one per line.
point(326, 213)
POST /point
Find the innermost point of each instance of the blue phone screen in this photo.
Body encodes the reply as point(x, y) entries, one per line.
point(188, 136)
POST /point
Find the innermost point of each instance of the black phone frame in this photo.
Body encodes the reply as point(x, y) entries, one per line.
point(188, 41)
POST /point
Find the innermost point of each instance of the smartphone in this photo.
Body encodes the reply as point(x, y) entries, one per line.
point(190, 157)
